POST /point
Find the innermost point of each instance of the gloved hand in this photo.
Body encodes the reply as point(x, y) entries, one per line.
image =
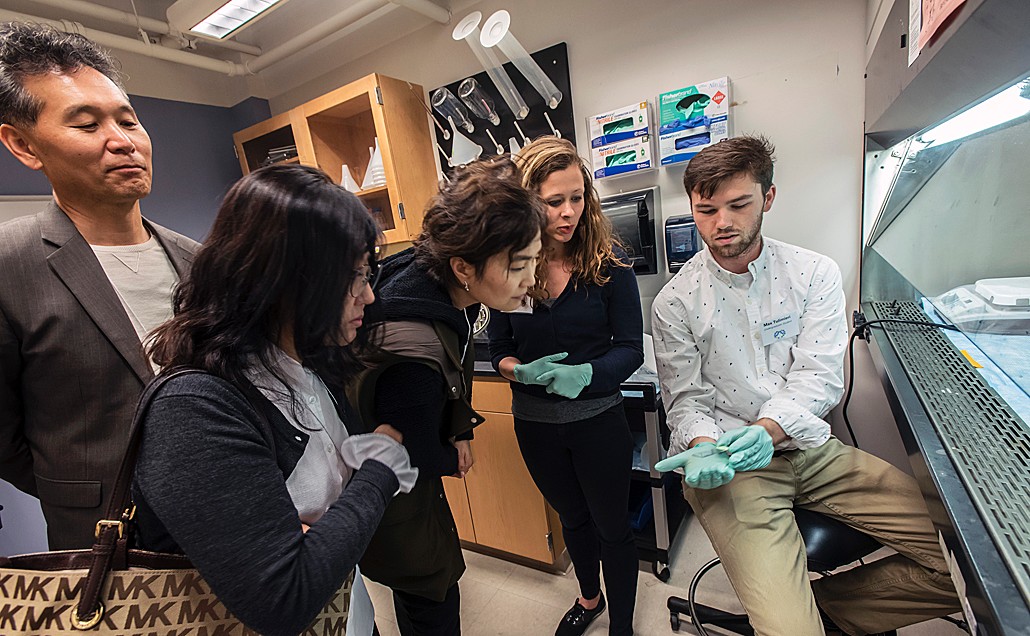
point(530, 372)
point(568, 380)
point(383, 448)
point(704, 466)
point(748, 447)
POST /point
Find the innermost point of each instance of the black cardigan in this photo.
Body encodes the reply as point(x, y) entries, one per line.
point(211, 483)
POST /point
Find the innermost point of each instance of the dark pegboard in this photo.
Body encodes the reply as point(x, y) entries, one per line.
point(554, 60)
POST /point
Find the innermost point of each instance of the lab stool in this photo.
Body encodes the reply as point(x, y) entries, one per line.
point(829, 544)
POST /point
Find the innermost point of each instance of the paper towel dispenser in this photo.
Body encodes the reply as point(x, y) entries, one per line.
point(681, 241)
point(632, 216)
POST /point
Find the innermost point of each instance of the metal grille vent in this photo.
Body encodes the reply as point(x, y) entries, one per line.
point(988, 443)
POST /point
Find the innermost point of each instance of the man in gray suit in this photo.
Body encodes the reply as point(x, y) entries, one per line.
point(82, 282)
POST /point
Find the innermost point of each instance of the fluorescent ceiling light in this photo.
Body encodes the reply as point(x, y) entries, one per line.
point(1011, 103)
point(217, 18)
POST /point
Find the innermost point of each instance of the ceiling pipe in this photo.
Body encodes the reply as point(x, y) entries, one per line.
point(427, 8)
point(339, 23)
point(346, 18)
point(123, 43)
point(147, 24)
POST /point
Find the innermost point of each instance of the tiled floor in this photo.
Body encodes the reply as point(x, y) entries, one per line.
point(499, 598)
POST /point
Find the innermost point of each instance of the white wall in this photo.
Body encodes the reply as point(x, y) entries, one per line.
point(876, 16)
point(797, 75)
point(166, 80)
point(23, 528)
point(796, 68)
point(11, 207)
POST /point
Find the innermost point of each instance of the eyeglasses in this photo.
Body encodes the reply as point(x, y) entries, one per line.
point(362, 277)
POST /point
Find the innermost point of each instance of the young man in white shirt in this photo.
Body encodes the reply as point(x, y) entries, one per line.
point(749, 337)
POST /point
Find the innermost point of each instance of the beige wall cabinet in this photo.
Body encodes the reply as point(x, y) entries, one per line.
point(497, 506)
point(339, 128)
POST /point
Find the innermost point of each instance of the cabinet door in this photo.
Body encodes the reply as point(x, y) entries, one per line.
point(509, 512)
point(254, 143)
point(458, 499)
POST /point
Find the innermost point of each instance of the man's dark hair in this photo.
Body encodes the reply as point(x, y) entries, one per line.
point(713, 166)
point(31, 50)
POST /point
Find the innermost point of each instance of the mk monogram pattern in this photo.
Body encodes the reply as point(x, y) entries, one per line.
point(136, 603)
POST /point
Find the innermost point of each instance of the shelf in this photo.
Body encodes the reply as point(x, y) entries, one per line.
point(282, 162)
point(371, 192)
point(339, 129)
point(255, 150)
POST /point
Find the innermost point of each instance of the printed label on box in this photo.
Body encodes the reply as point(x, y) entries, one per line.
point(618, 125)
point(691, 119)
point(622, 157)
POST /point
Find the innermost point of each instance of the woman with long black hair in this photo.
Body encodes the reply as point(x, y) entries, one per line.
point(254, 466)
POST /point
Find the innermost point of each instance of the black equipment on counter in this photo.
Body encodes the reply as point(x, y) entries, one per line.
point(681, 241)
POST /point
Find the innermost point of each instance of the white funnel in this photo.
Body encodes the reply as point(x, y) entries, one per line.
point(463, 149)
point(375, 175)
point(348, 182)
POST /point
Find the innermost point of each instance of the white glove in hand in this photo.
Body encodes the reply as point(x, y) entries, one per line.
point(358, 448)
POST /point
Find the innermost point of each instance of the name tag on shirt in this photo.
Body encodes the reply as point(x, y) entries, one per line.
point(782, 328)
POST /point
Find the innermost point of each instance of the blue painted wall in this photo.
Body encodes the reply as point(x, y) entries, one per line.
point(194, 162)
point(194, 165)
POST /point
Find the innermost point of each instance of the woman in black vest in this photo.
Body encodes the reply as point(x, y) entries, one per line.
point(479, 245)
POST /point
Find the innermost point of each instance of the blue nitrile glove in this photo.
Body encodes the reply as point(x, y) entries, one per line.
point(530, 372)
point(748, 447)
point(704, 466)
point(568, 380)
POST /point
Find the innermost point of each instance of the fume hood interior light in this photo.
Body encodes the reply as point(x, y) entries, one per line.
point(1011, 103)
point(217, 18)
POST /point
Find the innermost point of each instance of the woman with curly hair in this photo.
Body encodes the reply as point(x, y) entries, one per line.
point(479, 245)
point(566, 356)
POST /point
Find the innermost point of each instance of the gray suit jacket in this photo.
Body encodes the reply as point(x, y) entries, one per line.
point(71, 370)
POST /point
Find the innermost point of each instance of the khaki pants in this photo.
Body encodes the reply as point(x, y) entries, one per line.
point(751, 525)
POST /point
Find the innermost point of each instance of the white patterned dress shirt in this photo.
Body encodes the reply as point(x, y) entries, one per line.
point(716, 373)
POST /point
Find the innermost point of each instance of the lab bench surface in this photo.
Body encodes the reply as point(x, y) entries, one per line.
point(946, 416)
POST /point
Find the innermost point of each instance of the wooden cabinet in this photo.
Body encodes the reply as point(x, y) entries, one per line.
point(339, 128)
point(497, 506)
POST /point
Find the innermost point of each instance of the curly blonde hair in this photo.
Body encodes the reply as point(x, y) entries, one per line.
point(591, 250)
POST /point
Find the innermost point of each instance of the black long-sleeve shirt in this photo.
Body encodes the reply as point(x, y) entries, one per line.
point(410, 397)
point(601, 325)
point(210, 483)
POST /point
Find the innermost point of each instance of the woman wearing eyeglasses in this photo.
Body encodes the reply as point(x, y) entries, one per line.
point(255, 467)
point(479, 245)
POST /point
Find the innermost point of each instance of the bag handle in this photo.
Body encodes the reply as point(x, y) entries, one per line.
point(112, 530)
